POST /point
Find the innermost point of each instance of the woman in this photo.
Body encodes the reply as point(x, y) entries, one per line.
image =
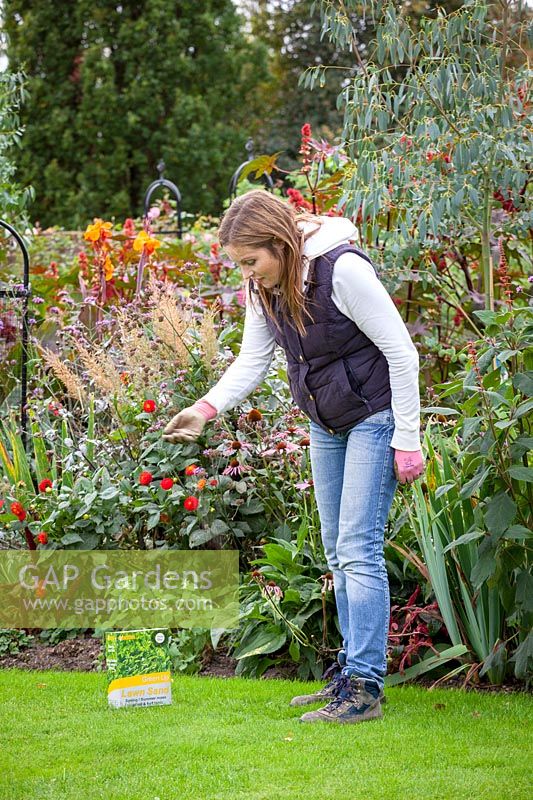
point(353, 370)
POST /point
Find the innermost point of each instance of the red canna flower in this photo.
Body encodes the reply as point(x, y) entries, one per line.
point(190, 503)
point(129, 227)
point(295, 197)
point(17, 509)
point(44, 484)
point(458, 318)
point(149, 406)
point(42, 537)
point(306, 131)
point(167, 483)
point(145, 478)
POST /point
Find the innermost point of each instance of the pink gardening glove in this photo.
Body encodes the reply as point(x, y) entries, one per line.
point(408, 465)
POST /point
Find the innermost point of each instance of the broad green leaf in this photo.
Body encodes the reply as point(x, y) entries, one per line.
point(483, 568)
point(524, 591)
point(524, 382)
point(499, 513)
point(260, 165)
point(521, 473)
point(518, 532)
point(109, 493)
point(266, 640)
point(523, 657)
point(200, 536)
point(524, 408)
point(153, 520)
point(71, 538)
point(464, 539)
point(474, 483)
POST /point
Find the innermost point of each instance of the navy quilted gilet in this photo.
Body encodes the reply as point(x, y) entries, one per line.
point(337, 375)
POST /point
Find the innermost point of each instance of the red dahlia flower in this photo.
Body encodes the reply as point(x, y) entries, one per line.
point(149, 406)
point(167, 483)
point(42, 537)
point(44, 484)
point(17, 509)
point(190, 503)
point(145, 478)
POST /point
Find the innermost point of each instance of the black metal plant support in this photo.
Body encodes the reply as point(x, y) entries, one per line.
point(172, 188)
point(24, 291)
point(266, 178)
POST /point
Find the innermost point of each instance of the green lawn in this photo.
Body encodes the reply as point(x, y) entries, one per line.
point(238, 739)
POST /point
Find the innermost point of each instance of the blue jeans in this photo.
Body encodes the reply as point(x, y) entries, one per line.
point(353, 475)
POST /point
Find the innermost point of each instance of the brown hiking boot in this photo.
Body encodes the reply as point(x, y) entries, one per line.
point(328, 692)
point(322, 695)
point(357, 700)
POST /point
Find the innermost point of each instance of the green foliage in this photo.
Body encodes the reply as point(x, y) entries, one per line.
point(187, 647)
point(115, 87)
point(437, 127)
point(13, 198)
point(474, 520)
point(286, 609)
point(12, 641)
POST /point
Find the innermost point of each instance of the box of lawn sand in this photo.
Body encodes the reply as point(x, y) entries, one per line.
point(138, 667)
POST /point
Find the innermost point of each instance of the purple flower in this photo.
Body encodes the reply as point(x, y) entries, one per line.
point(273, 590)
point(236, 469)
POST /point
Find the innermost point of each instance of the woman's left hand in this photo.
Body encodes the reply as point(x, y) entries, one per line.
point(408, 465)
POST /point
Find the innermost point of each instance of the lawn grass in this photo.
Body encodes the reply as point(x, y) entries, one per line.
point(238, 739)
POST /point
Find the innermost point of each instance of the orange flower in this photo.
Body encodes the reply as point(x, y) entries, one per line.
point(201, 483)
point(143, 241)
point(99, 231)
point(108, 268)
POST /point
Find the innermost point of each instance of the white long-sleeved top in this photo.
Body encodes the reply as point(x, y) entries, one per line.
point(359, 295)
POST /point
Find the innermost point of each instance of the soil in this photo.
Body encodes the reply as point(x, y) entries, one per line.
point(85, 654)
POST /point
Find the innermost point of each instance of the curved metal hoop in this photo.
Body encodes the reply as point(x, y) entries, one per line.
point(23, 291)
point(163, 182)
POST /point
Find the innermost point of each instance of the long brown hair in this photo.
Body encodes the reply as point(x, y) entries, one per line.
point(259, 219)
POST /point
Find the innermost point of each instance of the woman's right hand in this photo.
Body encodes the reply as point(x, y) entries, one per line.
point(186, 426)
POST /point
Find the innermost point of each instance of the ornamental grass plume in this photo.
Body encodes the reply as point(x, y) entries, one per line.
point(69, 379)
point(141, 356)
point(172, 324)
point(208, 336)
point(101, 369)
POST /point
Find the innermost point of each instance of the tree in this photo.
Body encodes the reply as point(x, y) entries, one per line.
point(13, 198)
point(293, 33)
point(449, 138)
point(115, 87)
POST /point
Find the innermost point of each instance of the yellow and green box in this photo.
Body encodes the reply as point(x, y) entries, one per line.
point(138, 666)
